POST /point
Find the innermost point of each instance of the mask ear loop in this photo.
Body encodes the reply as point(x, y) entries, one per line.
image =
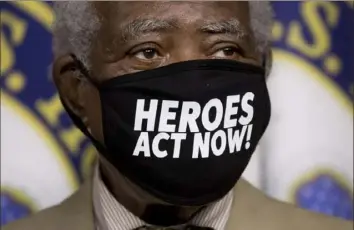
point(267, 62)
point(84, 70)
point(264, 61)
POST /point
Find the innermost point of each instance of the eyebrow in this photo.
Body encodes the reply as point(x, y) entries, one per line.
point(231, 26)
point(139, 27)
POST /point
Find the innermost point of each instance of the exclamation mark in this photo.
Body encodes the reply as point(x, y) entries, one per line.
point(249, 132)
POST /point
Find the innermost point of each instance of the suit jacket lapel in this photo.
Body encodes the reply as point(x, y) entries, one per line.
point(246, 206)
point(78, 209)
point(252, 209)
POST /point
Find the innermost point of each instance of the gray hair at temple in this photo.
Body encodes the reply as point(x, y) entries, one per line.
point(76, 24)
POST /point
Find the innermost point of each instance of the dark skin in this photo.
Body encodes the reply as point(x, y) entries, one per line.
point(188, 31)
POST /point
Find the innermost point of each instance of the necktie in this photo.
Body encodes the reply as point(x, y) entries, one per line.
point(187, 227)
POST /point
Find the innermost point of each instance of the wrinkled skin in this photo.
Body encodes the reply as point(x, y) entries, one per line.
point(117, 52)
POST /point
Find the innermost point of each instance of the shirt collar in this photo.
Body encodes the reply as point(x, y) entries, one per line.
point(111, 215)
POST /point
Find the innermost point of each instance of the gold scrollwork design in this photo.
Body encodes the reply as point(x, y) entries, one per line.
point(18, 29)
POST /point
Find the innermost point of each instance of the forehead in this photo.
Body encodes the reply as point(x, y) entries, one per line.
point(188, 13)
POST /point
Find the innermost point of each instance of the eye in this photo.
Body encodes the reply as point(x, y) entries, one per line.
point(227, 52)
point(147, 54)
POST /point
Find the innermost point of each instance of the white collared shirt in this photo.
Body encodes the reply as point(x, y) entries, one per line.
point(111, 215)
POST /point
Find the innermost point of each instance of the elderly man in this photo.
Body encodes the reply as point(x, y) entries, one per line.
point(173, 96)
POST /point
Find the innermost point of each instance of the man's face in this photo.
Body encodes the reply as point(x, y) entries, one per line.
point(138, 36)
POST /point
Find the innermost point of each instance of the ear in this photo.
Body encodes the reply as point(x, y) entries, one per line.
point(70, 81)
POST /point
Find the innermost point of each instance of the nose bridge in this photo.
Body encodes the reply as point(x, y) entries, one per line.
point(186, 48)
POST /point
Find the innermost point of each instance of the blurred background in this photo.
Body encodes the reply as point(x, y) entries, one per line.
point(305, 156)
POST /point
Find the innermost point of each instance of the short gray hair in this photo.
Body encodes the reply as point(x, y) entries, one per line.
point(76, 24)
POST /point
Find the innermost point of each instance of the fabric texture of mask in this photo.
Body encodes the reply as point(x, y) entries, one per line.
point(183, 132)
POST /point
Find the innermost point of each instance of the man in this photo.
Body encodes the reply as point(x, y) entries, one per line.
point(173, 96)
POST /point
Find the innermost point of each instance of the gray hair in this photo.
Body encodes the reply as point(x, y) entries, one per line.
point(76, 24)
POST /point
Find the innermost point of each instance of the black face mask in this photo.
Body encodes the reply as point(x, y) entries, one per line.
point(183, 132)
